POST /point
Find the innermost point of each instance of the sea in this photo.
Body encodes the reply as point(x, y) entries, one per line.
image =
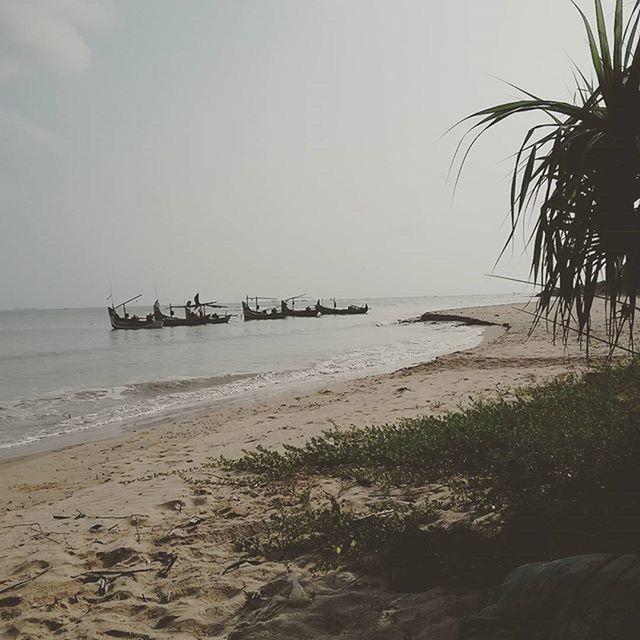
point(66, 376)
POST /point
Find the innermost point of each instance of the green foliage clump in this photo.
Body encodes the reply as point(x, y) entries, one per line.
point(580, 164)
point(547, 472)
point(300, 524)
point(574, 433)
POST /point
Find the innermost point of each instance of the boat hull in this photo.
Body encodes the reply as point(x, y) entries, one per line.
point(250, 314)
point(170, 321)
point(349, 311)
point(132, 324)
point(218, 320)
point(299, 313)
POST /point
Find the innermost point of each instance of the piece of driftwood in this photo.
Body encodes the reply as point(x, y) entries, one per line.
point(451, 317)
point(21, 524)
point(81, 514)
point(239, 563)
point(114, 572)
point(21, 583)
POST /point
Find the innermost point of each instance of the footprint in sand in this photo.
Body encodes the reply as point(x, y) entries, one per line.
point(118, 556)
point(10, 601)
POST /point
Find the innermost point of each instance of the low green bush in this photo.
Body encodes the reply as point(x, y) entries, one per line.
point(559, 463)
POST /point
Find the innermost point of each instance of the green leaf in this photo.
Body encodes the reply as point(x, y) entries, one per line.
point(618, 38)
point(605, 52)
point(630, 32)
point(593, 47)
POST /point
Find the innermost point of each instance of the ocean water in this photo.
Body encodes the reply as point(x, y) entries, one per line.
point(64, 371)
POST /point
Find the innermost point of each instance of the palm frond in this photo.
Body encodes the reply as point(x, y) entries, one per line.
point(581, 169)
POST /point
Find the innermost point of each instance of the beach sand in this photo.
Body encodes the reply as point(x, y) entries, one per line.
point(130, 537)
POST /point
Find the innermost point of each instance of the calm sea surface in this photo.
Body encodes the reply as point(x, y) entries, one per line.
point(66, 372)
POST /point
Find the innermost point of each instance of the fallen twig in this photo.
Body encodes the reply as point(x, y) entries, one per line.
point(132, 515)
point(238, 563)
point(21, 583)
point(22, 524)
point(169, 560)
point(114, 572)
point(376, 514)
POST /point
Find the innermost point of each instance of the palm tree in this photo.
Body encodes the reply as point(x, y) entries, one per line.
point(580, 168)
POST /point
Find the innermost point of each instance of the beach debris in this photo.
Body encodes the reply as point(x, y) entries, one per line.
point(167, 560)
point(173, 505)
point(119, 555)
point(93, 574)
point(450, 317)
point(21, 583)
point(106, 584)
point(192, 523)
point(131, 517)
point(240, 563)
point(106, 578)
point(298, 597)
point(165, 621)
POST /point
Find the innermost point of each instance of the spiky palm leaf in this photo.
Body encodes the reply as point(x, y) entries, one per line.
point(582, 168)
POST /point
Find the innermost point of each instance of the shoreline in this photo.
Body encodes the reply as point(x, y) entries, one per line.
point(126, 501)
point(243, 398)
point(315, 392)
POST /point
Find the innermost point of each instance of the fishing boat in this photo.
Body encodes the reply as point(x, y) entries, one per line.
point(307, 312)
point(194, 315)
point(351, 310)
point(124, 321)
point(257, 314)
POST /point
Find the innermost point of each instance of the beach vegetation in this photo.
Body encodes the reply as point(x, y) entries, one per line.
point(544, 471)
point(579, 168)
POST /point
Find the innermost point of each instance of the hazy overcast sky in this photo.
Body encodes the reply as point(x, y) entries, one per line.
point(267, 147)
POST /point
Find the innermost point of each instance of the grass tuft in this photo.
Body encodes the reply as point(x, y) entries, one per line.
point(555, 465)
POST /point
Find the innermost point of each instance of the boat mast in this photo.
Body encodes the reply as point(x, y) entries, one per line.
point(293, 299)
point(124, 309)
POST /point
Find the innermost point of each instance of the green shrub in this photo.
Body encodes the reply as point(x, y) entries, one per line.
point(558, 462)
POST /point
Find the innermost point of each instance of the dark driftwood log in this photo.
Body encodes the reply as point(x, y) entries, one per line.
point(450, 317)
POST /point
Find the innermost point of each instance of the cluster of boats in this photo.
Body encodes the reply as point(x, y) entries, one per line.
point(287, 311)
point(197, 313)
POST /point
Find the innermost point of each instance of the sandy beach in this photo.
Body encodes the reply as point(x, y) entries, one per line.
point(132, 537)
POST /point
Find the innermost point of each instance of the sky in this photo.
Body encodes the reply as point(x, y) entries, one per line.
point(263, 147)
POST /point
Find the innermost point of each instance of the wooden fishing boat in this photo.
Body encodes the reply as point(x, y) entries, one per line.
point(254, 314)
point(214, 318)
point(351, 310)
point(126, 322)
point(191, 319)
point(308, 312)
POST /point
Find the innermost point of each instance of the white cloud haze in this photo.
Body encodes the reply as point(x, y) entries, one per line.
point(262, 146)
point(14, 122)
point(49, 33)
